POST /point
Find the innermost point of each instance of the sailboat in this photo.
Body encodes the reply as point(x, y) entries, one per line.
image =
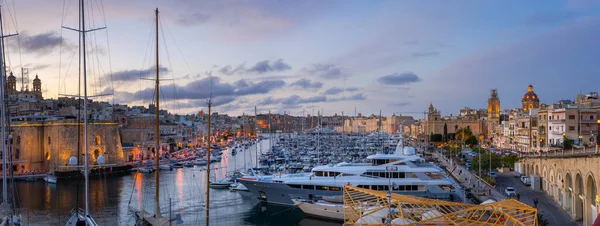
point(7, 210)
point(143, 216)
point(79, 216)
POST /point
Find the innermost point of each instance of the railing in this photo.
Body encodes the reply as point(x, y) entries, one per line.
point(557, 120)
point(556, 132)
point(581, 152)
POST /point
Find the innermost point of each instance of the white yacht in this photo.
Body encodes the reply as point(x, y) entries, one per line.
point(404, 171)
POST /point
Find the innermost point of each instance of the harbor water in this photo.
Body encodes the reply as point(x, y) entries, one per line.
point(182, 191)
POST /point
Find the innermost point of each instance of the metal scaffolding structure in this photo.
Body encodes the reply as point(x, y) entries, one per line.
point(369, 207)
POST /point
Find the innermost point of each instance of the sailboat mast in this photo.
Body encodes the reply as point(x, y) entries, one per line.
point(85, 118)
point(157, 132)
point(3, 115)
point(208, 168)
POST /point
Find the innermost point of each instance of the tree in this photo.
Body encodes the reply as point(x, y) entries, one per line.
point(435, 137)
point(568, 143)
point(463, 133)
point(445, 132)
point(485, 161)
point(471, 141)
point(509, 160)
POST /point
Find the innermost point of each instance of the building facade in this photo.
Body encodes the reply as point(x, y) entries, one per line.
point(493, 116)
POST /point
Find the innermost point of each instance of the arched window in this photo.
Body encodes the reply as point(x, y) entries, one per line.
point(17, 153)
point(97, 140)
point(49, 140)
point(18, 139)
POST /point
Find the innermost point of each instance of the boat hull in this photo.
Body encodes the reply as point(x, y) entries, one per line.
point(282, 194)
point(329, 212)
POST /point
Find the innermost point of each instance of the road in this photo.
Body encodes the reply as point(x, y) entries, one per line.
point(467, 179)
point(546, 205)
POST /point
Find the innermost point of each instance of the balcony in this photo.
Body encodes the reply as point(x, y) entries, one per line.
point(589, 121)
point(557, 120)
point(556, 132)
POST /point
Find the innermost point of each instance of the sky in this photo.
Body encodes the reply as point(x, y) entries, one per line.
point(304, 57)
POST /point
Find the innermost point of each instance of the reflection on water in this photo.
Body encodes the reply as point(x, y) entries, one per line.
point(112, 198)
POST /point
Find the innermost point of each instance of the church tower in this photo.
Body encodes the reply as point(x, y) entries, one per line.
point(432, 116)
point(11, 83)
point(530, 99)
point(493, 119)
point(37, 87)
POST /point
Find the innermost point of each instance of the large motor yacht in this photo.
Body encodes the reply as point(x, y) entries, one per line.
point(402, 172)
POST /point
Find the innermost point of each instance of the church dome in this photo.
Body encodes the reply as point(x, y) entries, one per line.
point(36, 78)
point(11, 76)
point(530, 96)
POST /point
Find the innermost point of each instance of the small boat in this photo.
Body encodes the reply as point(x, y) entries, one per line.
point(144, 169)
point(238, 187)
point(165, 167)
point(50, 179)
point(221, 184)
point(188, 164)
point(177, 165)
point(200, 162)
point(321, 209)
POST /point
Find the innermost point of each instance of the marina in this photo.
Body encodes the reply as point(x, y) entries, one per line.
point(115, 197)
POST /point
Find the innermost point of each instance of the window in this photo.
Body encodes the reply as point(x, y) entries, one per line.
point(319, 173)
point(49, 140)
point(295, 186)
point(571, 116)
point(571, 128)
point(310, 187)
point(468, 127)
point(591, 117)
point(18, 139)
point(325, 188)
point(549, 127)
point(455, 127)
point(17, 153)
point(364, 186)
point(335, 189)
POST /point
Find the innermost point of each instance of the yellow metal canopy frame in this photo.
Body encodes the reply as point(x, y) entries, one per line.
point(369, 207)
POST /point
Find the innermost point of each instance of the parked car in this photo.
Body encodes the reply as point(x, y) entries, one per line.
point(492, 174)
point(510, 191)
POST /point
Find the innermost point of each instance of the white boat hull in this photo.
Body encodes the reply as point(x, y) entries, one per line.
point(326, 211)
point(50, 179)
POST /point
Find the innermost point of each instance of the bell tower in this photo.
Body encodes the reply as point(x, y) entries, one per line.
point(493, 119)
point(11, 84)
point(37, 87)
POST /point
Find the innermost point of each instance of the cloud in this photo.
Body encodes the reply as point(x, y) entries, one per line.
point(425, 54)
point(326, 71)
point(358, 96)
point(229, 70)
point(298, 100)
point(202, 89)
point(401, 104)
point(307, 84)
point(265, 66)
point(398, 79)
point(335, 90)
point(192, 19)
point(36, 67)
point(135, 74)
point(40, 44)
point(260, 67)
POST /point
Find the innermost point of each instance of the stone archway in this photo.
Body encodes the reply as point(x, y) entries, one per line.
point(591, 192)
point(578, 200)
point(568, 193)
point(544, 179)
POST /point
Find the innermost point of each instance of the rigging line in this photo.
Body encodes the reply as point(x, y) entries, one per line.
point(149, 48)
point(16, 27)
point(108, 52)
point(170, 65)
point(61, 46)
point(178, 49)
